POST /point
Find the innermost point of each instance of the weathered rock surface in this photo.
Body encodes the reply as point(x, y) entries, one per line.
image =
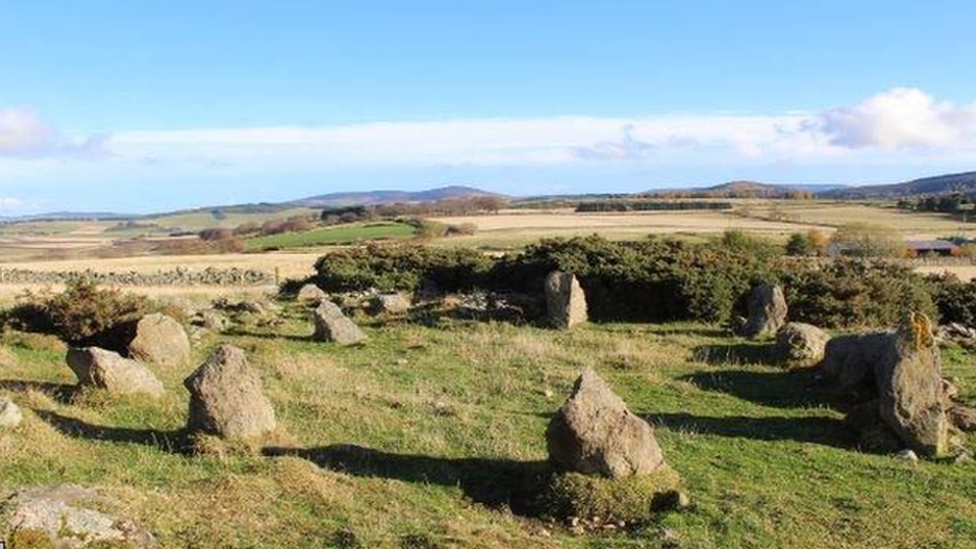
point(332, 325)
point(108, 370)
point(767, 311)
point(963, 417)
point(801, 344)
point(595, 433)
point(850, 360)
point(565, 300)
point(390, 304)
point(211, 320)
point(227, 397)
point(67, 517)
point(10, 414)
point(911, 399)
point(310, 293)
point(160, 340)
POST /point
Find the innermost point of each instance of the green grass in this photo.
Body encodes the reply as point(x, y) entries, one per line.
point(341, 234)
point(442, 417)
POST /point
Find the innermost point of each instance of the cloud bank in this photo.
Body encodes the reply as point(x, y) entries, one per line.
point(885, 126)
point(24, 134)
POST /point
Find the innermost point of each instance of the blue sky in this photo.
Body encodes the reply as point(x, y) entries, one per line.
point(147, 106)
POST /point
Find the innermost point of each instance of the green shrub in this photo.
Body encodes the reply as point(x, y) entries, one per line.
point(656, 280)
point(400, 267)
point(631, 499)
point(83, 314)
point(851, 293)
point(955, 300)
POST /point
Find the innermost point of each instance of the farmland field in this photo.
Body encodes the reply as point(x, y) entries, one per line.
point(342, 234)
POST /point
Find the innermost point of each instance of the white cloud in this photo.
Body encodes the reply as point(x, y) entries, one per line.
point(8, 203)
point(899, 118)
point(24, 134)
point(878, 129)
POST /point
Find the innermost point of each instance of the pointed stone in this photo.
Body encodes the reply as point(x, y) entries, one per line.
point(332, 325)
point(595, 433)
point(565, 300)
point(767, 311)
point(227, 398)
point(910, 390)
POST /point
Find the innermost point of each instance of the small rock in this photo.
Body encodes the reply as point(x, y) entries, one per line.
point(800, 344)
point(310, 293)
point(390, 304)
point(907, 454)
point(10, 414)
point(963, 459)
point(64, 515)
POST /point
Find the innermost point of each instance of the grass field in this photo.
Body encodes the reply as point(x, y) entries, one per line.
point(341, 234)
point(435, 411)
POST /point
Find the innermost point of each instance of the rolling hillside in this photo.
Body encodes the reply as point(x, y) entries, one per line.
point(389, 197)
point(964, 183)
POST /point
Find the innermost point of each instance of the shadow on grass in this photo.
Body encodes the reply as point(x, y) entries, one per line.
point(176, 442)
point(737, 353)
point(817, 430)
point(797, 388)
point(491, 482)
point(237, 332)
point(62, 392)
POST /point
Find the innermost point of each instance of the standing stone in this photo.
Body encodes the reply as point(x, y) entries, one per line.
point(10, 414)
point(911, 400)
point(595, 433)
point(767, 311)
point(332, 325)
point(310, 293)
point(69, 517)
point(107, 370)
point(227, 398)
point(390, 304)
point(850, 360)
point(801, 344)
point(565, 300)
point(160, 340)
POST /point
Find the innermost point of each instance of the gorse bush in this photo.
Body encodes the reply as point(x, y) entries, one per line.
point(390, 268)
point(851, 293)
point(656, 280)
point(83, 314)
point(955, 300)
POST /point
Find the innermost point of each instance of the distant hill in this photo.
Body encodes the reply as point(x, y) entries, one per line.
point(67, 216)
point(743, 189)
point(962, 183)
point(372, 198)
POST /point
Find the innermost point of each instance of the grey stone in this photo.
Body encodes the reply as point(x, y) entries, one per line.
point(767, 311)
point(850, 360)
point(108, 370)
point(909, 379)
point(390, 304)
point(66, 516)
point(311, 293)
point(332, 325)
point(10, 414)
point(595, 433)
point(161, 340)
point(963, 417)
point(565, 300)
point(801, 344)
point(227, 398)
point(907, 455)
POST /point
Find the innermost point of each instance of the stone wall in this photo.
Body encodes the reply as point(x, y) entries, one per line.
point(210, 276)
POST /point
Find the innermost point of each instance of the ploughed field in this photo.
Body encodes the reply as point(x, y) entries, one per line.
point(441, 412)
